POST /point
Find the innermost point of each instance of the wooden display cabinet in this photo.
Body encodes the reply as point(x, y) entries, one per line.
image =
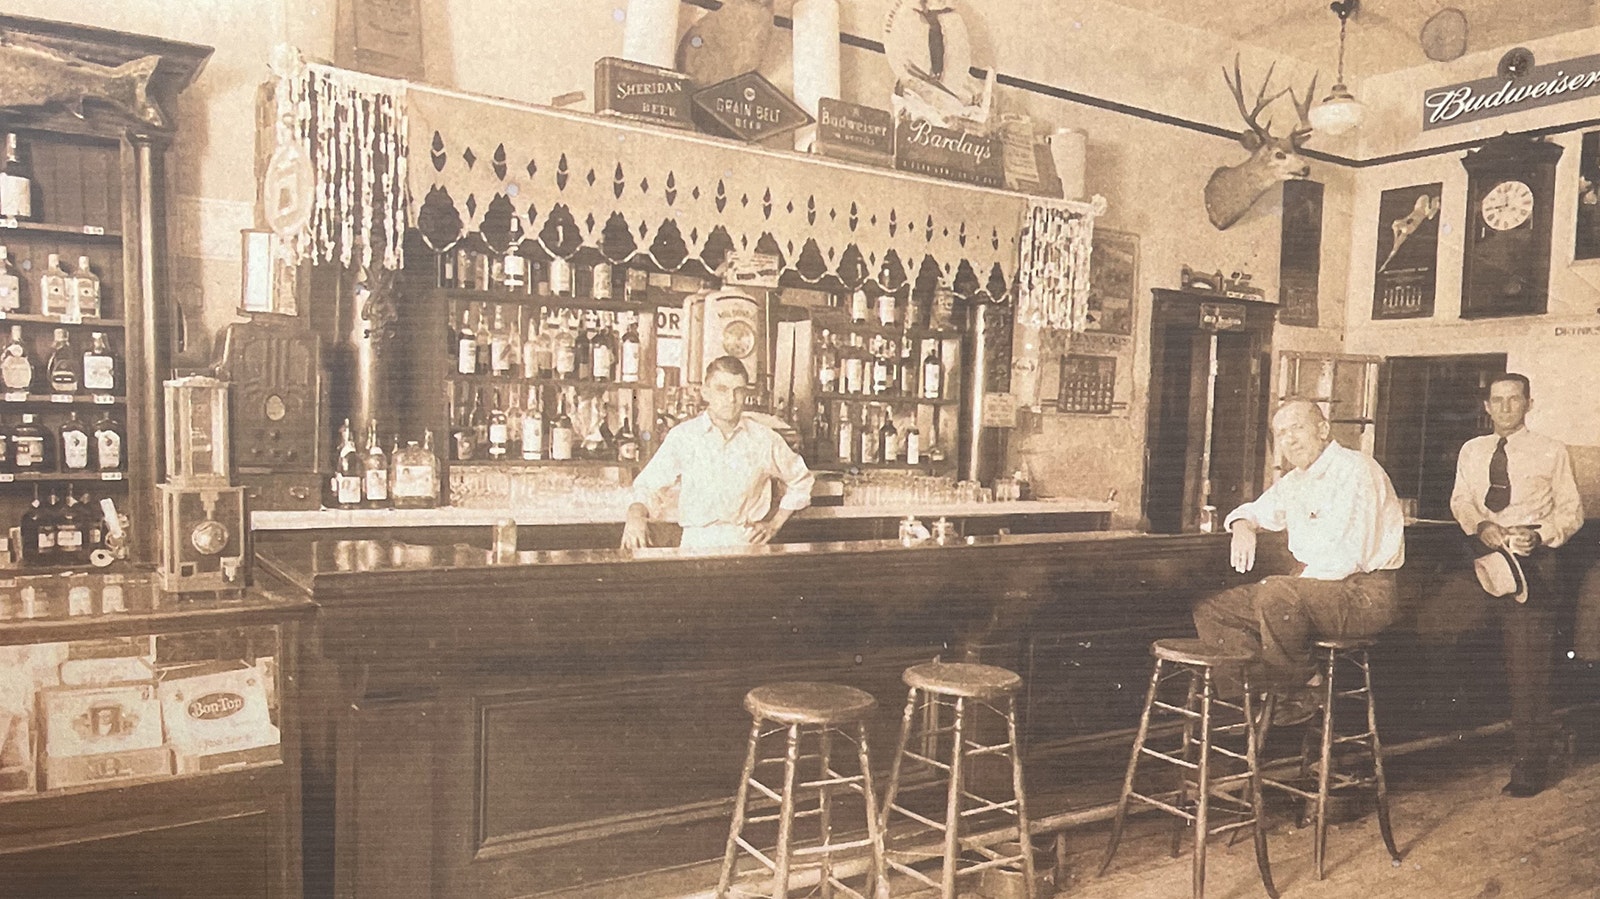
point(97, 196)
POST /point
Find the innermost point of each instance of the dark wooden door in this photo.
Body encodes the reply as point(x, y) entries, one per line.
point(1181, 332)
point(1427, 407)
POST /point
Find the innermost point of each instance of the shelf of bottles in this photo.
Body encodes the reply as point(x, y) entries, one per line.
point(885, 387)
point(63, 401)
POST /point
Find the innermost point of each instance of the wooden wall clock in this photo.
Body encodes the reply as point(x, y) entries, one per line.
point(1506, 256)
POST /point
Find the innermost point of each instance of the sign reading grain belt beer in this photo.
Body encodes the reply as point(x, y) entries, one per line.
point(855, 132)
point(638, 91)
point(747, 107)
point(950, 153)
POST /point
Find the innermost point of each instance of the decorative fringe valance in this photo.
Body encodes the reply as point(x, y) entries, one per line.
point(1053, 267)
point(352, 128)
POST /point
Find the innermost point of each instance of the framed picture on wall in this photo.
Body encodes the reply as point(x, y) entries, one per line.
point(1407, 269)
point(1113, 281)
point(1586, 244)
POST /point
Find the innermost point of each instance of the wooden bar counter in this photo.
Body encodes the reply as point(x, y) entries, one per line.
point(570, 721)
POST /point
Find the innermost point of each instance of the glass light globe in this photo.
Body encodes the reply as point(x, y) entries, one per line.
point(1338, 112)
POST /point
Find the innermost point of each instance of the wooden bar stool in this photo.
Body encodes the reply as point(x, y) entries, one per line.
point(958, 689)
point(1204, 717)
point(1328, 779)
point(800, 711)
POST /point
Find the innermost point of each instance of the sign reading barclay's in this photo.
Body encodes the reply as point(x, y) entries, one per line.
point(1557, 82)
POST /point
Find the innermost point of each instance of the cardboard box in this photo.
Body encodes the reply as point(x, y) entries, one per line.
point(100, 720)
point(210, 711)
point(101, 767)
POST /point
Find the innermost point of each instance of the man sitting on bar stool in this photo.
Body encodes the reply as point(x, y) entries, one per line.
point(1347, 533)
point(725, 462)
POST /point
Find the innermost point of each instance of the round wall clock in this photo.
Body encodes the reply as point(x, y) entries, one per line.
point(1505, 268)
point(1507, 205)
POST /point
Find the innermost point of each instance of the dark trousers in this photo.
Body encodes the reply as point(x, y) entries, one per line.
point(1459, 607)
point(1276, 619)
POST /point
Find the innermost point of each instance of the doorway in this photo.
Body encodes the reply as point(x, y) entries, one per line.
point(1428, 406)
point(1188, 464)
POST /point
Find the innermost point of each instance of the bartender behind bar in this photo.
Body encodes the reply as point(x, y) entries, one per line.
point(724, 462)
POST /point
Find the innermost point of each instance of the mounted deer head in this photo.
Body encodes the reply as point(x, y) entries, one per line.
point(1234, 188)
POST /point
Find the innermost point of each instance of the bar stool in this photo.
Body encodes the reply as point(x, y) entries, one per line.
point(801, 710)
point(1329, 653)
point(1198, 787)
point(959, 688)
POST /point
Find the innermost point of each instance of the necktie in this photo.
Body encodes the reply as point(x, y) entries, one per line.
point(1498, 495)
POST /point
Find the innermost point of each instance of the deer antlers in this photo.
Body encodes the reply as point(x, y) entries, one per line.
point(1263, 133)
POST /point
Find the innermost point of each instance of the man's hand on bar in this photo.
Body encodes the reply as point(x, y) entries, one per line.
point(636, 530)
point(1242, 553)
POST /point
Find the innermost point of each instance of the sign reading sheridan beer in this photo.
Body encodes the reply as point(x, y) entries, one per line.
point(855, 132)
point(638, 91)
point(1546, 85)
point(748, 107)
point(949, 153)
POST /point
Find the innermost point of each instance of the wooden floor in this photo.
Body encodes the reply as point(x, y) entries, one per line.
point(1460, 839)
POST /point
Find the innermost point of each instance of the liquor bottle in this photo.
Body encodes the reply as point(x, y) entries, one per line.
point(601, 288)
point(561, 431)
point(882, 371)
point(932, 375)
point(375, 469)
point(852, 368)
point(913, 443)
point(445, 263)
point(566, 351)
point(867, 439)
point(5, 451)
point(38, 539)
point(627, 438)
point(606, 448)
point(886, 309)
point(415, 480)
point(533, 427)
point(16, 369)
point(93, 520)
point(514, 416)
point(109, 440)
point(916, 313)
point(827, 364)
point(478, 420)
point(463, 442)
point(530, 351)
point(847, 435)
point(10, 284)
point(74, 442)
point(53, 299)
point(888, 439)
point(62, 371)
point(347, 472)
point(514, 265)
point(31, 445)
point(630, 352)
point(99, 366)
point(466, 346)
point(499, 431)
point(859, 306)
point(16, 182)
point(561, 280)
point(635, 285)
point(71, 533)
point(83, 292)
point(907, 368)
point(604, 351)
point(544, 351)
point(501, 344)
point(485, 342)
point(583, 353)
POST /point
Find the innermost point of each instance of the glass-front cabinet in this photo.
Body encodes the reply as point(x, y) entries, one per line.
point(136, 721)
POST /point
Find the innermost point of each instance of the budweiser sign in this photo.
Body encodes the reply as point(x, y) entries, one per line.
point(1546, 85)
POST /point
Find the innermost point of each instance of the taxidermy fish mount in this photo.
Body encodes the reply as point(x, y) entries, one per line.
point(32, 75)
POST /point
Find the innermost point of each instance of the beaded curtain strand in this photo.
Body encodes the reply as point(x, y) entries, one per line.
point(1053, 268)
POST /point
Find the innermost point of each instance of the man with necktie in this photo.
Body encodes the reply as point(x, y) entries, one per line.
point(1514, 490)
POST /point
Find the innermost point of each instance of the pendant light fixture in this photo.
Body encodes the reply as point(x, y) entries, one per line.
point(1339, 111)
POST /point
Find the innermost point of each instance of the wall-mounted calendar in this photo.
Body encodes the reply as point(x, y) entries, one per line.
point(1088, 383)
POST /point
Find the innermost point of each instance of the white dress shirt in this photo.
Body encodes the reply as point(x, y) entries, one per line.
point(724, 480)
point(1341, 513)
point(1543, 491)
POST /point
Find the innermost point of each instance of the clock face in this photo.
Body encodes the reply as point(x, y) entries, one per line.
point(1507, 205)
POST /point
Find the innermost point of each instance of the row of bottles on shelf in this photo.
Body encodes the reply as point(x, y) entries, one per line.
point(903, 309)
point(517, 272)
point(872, 438)
point(72, 296)
point(879, 365)
point(488, 427)
point(567, 344)
point(96, 370)
point(74, 446)
point(67, 532)
point(402, 477)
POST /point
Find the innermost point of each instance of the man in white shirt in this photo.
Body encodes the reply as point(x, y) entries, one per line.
point(1514, 490)
point(1347, 532)
point(724, 462)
